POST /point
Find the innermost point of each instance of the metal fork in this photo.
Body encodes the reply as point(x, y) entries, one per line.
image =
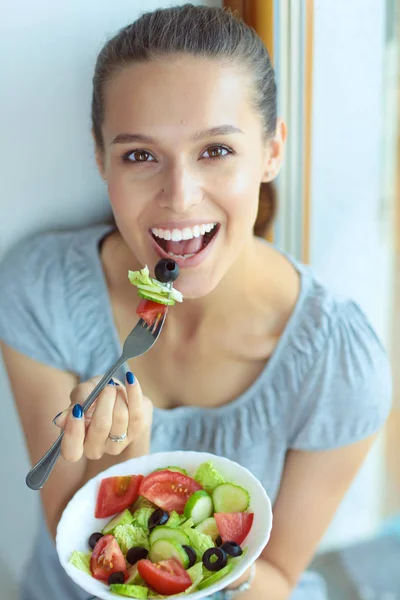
point(140, 340)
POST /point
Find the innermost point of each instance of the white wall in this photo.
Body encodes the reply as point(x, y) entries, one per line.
point(350, 245)
point(48, 177)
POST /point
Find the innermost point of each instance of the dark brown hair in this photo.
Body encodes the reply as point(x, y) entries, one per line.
point(203, 31)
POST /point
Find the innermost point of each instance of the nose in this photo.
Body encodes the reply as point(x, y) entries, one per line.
point(179, 190)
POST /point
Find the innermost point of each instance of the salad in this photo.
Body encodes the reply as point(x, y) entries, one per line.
point(170, 533)
point(156, 293)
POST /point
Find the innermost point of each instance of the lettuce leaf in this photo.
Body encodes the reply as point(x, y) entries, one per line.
point(81, 560)
point(129, 536)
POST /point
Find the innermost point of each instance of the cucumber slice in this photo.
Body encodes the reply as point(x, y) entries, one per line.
point(215, 577)
point(209, 527)
point(169, 533)
point(163, 549)
point(131, 591)
point(156, 298)
point(199, 507)
point(229, 498)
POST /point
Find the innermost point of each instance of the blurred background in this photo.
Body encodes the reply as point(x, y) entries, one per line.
point(339, 91)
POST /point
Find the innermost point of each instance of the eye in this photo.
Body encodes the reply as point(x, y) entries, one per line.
point(138, 156)
point(216, 151)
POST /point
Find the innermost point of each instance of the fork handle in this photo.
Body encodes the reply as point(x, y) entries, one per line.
point(40, 473)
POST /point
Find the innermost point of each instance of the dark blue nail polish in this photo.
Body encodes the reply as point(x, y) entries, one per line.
point(116, 383)
point(130, 377)
point(111, 382)
point(77, 411)
point(56, 417)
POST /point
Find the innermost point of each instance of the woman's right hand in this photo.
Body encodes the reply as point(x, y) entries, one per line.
point(118, 410)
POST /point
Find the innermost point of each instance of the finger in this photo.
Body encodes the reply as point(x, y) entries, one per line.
point(119, 427)
point(100, 423)
point(140, 416)
point(81, 392)
point(60, 419)
point(77, 396)
point(135, 398)
point(74, 435)
point(120, 416)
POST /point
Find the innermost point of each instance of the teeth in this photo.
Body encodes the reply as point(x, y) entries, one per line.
point(176, 235)
point(180, 255)
point(187, 233)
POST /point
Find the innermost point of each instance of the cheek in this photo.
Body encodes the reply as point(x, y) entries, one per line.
point(241, 191)
point(126, 195)
point(117, 192)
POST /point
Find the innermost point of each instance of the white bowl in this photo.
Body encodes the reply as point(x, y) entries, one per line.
point(78, 521)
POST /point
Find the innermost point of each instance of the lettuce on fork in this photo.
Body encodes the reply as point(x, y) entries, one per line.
point(142, 280)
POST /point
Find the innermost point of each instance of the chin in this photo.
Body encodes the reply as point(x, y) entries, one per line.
point(194, 286)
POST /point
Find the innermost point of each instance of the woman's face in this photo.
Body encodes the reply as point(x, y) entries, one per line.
point(183, 159)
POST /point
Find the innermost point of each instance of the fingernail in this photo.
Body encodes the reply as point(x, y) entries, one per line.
point(116, 383)
point(56, 417)
point(77, 411)
point(130, 377)
point(111, 382)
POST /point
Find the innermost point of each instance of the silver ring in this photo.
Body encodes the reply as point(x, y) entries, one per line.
point(118, 438)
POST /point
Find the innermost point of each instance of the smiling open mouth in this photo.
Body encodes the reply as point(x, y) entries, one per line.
point(187, 242)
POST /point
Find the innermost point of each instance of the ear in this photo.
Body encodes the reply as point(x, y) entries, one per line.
point(99, 155)
point(274, 152)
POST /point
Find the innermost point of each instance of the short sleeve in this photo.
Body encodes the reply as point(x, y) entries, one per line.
point(32, 311)
point(347, 393)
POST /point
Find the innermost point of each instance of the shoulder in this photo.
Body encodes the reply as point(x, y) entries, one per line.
point(346, 386)
point(42, 280)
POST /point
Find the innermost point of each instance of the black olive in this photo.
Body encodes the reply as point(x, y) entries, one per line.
point(157, 518)
point(218, 541)
point(117, 577)
point(219, 557)
point(166, 270)
point(94, 538)
point(136, 553)
point(232, 548)
point(191, 554)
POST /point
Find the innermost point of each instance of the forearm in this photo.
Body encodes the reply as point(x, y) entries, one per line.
point(269, 584)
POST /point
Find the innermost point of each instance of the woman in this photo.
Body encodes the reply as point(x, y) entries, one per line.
point(260, 363)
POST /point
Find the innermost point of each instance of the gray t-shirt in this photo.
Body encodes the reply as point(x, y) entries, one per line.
point(326, 385)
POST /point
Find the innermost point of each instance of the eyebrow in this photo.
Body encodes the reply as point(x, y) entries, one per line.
point(128, 138)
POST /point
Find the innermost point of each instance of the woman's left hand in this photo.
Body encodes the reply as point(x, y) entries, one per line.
point(119, 412)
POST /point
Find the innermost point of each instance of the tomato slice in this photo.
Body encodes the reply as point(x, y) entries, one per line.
point(166, 577)
point(149, 310)
point(107, 558)
point(116, 494)
point(168, 489)
point(234, 527)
